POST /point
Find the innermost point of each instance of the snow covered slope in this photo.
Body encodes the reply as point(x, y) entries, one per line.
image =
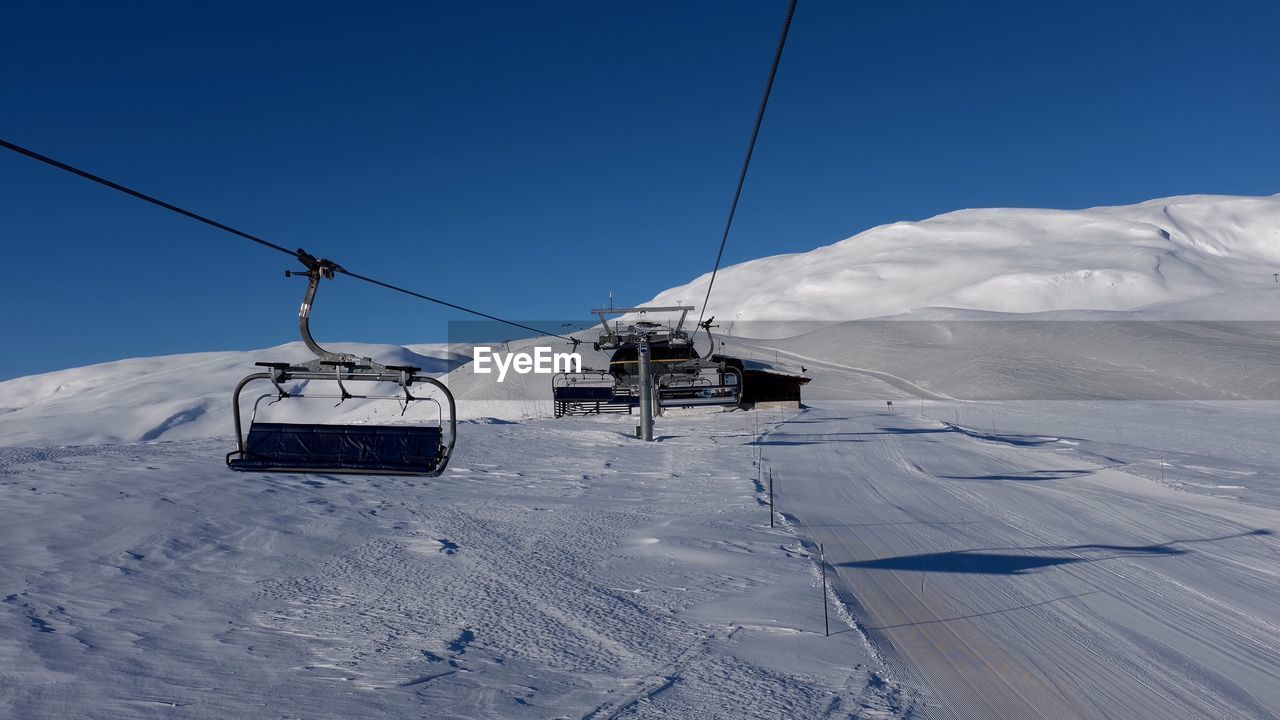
point(1012, 260)
point(563, 569)
point(986, 559)
point(558, 570)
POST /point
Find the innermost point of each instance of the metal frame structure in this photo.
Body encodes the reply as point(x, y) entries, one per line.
point(341, 368)
point(668, 382)
point(674, 374)
point(618, 335)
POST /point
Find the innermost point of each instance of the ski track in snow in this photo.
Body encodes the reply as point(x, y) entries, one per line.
point(1008, 580)
point(558, 570)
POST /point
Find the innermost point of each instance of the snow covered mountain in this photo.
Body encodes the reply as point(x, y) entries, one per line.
point(1206, 258)
point(1012, 260)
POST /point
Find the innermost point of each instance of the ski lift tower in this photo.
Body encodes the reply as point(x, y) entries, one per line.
point(642, 334)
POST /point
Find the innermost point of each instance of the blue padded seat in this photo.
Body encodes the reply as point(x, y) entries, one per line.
point(408, 449)
point(584, 392)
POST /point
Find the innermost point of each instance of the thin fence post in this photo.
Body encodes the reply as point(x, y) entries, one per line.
point(826, 623)
point(770, 497)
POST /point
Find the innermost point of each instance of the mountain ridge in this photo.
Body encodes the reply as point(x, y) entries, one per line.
point(1020, 260)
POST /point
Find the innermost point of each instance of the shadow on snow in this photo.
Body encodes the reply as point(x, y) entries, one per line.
point(1029, 476)
point(1020, 561)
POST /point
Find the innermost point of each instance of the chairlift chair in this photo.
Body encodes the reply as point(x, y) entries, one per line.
point(683, 377)
point(367, 449)
point(700, 383)
point(591, 392)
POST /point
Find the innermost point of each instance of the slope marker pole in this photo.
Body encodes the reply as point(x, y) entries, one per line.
point(770, 497)
point(826, 623)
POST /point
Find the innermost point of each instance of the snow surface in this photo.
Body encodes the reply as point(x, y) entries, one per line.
point(1067, 513)
point(557, 570)
point(562, 569)
point(1004, 577)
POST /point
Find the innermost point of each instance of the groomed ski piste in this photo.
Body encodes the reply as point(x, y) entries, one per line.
point(1051, 521)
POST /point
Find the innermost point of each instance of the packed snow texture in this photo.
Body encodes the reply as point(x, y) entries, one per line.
point(557, 570)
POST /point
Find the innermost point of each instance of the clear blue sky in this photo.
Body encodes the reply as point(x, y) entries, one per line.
point(527, 158)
